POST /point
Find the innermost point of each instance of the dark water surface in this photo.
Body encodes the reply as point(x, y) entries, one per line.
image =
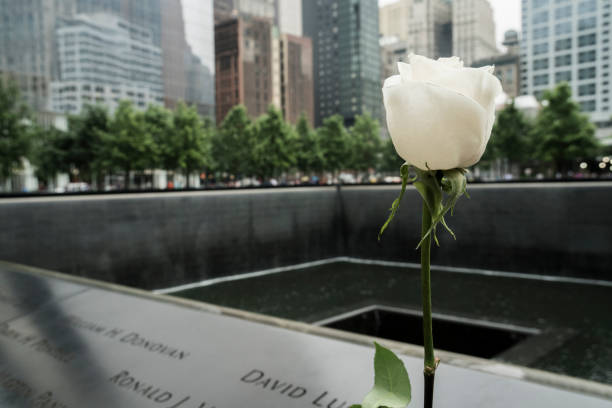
point(575, 320)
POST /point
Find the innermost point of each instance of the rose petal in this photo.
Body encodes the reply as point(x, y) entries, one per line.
point(451, 62)
point(488, 68)
point(424, 69)
point(433, 127)
point(476, 83)
point(405, 71)
point(392, 81)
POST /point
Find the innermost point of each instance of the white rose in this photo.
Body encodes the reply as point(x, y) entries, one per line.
point(440, 114)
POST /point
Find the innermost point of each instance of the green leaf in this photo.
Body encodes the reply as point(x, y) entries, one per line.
point(391, 382)
point(405, 174)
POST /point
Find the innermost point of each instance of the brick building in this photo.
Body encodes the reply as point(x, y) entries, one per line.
point(256, 66)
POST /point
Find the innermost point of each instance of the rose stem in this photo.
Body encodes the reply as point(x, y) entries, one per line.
point(430, 364)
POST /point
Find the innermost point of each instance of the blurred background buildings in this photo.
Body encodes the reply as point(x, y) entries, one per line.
point(65, 54)
point(506, 65)
point(317, 57)
point(262, 58)
point(346, 57)
point(569, 41)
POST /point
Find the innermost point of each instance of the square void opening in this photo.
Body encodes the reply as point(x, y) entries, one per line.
point(466, 336)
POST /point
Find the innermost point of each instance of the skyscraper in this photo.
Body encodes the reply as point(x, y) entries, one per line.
point(259, 64)
point(473, 30)
point(142, 13)
point(569, 41)
point(506, 65)
point(346, 57)
point(102, 59)
point(243, 50)
point(392, 50)
point(27, 46)
point(182, 31)
point(285, 14)
point(295, 65)
point(188, 44)
point(424, 26)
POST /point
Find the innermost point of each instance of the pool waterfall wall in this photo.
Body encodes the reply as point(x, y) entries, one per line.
point(155, 240)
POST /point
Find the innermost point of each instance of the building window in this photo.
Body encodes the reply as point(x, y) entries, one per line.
point(540, 48)
point(541, 32)
point(586, 89)
point(540, 80)
point(587, 6)
point(563, 12)
point(540, 17)
point(564, 44)
point(563, 76)
point(563, 60)
point(587, 106)
point(586, 40)
point(563, 28)
point(587, 56)
point(539, 3)
point(587, 23)
point(540, 64)
point(586, 73)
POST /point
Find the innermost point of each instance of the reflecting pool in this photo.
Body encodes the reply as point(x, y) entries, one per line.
point(571, 322)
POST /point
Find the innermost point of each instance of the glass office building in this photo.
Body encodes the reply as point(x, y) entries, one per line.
point(569, 40)
point(346, 57)
point(188, 46)
point(148, 51)
point(103, 59)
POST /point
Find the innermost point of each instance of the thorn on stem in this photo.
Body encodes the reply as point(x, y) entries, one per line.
point(432, 370)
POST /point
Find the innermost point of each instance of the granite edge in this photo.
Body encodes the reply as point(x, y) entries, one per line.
point(458, 360)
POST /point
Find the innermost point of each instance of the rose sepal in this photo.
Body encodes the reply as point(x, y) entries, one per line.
point(440, 190)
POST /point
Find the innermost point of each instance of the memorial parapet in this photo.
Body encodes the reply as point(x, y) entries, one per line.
point(69, 342)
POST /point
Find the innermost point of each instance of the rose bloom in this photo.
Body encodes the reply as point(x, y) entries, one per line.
point(440, 114)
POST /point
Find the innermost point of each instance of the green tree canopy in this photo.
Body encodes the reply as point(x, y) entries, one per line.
point(366, 142)
point(309, 157)
point(14, 122)
point(127, 145)
point(390, 160)
point(159, 126)
point(511, 137)
point(193, 140)
point(335, 143)
point(87, 131)
point(233, 143)
point(274, 150)
point(563, 134)
point(50, 151)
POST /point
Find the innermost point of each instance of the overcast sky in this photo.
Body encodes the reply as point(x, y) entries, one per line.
point(507, 14)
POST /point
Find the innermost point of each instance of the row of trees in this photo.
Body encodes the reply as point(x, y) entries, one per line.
point(557, 139)
point(269, 146)
point(97, 144)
